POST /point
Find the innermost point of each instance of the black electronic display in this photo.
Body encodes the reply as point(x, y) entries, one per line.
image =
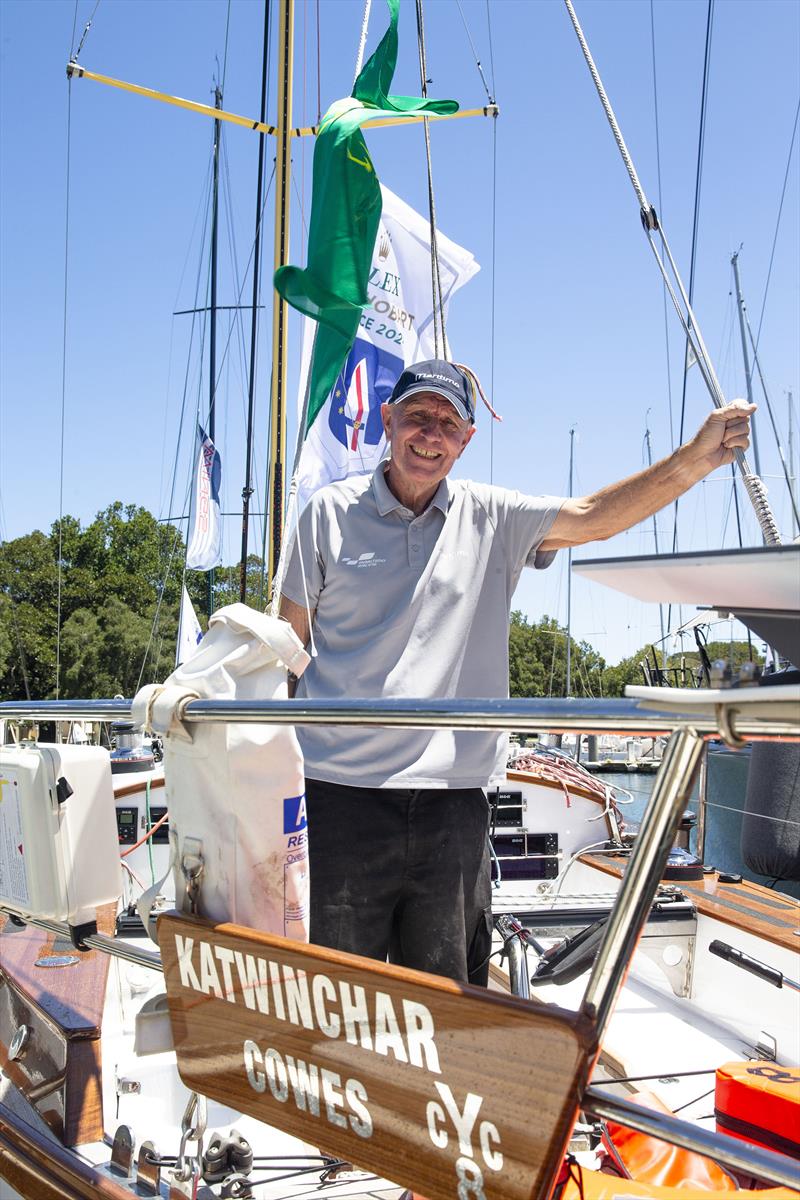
point(127, 820)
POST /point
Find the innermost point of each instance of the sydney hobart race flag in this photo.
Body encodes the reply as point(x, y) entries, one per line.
point(395, 329)
point(363, 283)
point(204, 550)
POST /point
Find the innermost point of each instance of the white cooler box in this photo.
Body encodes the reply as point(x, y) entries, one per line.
point(59, 848)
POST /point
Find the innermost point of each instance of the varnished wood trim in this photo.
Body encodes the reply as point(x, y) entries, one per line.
point(747, 906)
point(72, 997)
point(43, 1170)
point(132, 789)
point(64, 1007)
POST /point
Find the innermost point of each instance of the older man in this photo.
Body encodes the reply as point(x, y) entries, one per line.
point(405, 580)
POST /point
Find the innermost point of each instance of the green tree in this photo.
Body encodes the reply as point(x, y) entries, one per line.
point(29, 587)
point(103, 651)
point(538, 660)
point(118, 591)
point(227, 584)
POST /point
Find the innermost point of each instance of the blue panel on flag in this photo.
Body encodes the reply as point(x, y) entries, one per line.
point(294, 813)
point(354, 413)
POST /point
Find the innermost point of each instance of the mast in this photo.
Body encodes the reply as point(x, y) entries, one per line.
point(212, 332)
point(283, 170)
point(655, 540)
point(748, 375)
point(569, 576)
point(247, 490)
point(792, 474)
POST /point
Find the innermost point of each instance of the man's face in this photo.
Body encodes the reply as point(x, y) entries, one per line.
point(426, 435)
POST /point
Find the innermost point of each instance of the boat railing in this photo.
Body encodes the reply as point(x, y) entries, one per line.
point(776, 715)
point(620, 716)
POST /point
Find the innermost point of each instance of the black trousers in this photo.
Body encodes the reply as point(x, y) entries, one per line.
point(403, 875)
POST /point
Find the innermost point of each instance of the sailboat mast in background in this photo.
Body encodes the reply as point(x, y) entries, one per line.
point(748, 374)
point(212, 328)
point(649, 450)
point(792, 472)
point(247, 489)
point(569, 571)
point(280, 312)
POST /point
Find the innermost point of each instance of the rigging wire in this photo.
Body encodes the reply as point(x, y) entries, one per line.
point(225, 51)
point(773, 422)
point(251, 465)
point(493, 338)
point(303, 89)
point(493, 341)
point(436, 282)
point(60, 572)
point(86, 29)
point(492, 333)
point(489, 95)
point(682, 302)
point(195, 316)
point(777, 224)
point(231, 232)
point(319, 72)
point(240, 290)
point(203, 195)
point(167, 569)
point(701, 137)
point(491, 46)
point(661, 211)
point(74, 27)
point(191, 465)
point(362, 40)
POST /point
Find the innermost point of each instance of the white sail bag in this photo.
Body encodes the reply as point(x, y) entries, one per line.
point(235, 792)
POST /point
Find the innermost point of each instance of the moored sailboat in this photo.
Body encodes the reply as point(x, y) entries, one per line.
point(291, 1035)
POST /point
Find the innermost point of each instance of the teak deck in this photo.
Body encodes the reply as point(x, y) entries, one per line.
point(746, 906)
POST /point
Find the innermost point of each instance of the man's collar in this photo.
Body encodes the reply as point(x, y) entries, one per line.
point(387, 502)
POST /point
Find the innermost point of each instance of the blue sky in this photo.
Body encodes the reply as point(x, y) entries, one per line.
point(578, 313)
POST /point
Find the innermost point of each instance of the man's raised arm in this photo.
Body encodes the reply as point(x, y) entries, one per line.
point(621, 505)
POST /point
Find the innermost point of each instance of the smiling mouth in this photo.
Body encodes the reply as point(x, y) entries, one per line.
point(426, 454)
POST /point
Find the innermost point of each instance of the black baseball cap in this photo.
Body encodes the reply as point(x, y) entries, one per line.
point(441, 377)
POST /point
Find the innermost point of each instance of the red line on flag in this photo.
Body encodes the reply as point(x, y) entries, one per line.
point(360, 409)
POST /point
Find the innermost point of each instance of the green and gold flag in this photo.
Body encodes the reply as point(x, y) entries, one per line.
point(345, 211)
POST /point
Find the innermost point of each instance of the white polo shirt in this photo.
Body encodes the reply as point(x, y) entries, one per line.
point(411, 606)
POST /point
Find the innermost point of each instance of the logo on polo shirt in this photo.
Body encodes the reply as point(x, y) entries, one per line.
point(368, 559)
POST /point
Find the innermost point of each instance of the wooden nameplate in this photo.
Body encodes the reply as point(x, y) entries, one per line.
point(442, 1088)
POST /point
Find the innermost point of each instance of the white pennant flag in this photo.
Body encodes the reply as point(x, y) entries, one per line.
point(347, 435)
point(189, 631)
point(204, 549)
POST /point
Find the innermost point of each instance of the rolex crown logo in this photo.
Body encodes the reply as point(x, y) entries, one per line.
point(384, 247)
